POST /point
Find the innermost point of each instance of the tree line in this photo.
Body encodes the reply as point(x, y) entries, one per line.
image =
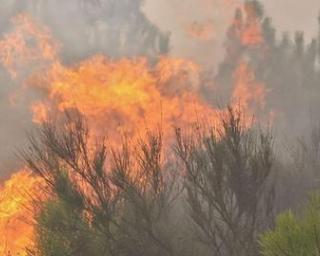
point(226, 191)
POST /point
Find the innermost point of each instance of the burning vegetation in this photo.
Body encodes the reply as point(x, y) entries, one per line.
point(16, 212)
point(133, 155)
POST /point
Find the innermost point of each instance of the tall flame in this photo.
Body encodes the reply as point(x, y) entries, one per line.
point(123, 95)
point(247, 90)
point(127, 95)
point(16, 197)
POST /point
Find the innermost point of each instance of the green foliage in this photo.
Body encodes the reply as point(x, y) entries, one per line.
point(63, 228)
point(131, 205)
point(228, 190)
point(120, 207)
point(295, 236)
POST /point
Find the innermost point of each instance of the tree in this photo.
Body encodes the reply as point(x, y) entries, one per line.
point(227, 178)
point(116, 28)
point(299, 166)
point(288, 66)
point(100, 207)
point(294, 235)
point(63, 228)
point(128, 201)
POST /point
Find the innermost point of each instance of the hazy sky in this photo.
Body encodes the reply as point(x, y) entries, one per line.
point(177, 15)
point(294, 14)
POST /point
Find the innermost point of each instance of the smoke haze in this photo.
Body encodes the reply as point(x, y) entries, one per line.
point(175, 16)
point(190, 29)
point(136, 67)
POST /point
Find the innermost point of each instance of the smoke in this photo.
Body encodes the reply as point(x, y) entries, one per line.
point(242, 56)
point(110, 27)
point(82, 28)
point(291, 16)
point(192, 29)
point(177, 16)
point(197, 27)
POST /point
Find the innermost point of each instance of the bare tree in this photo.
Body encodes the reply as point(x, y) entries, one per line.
point(106, 201)
point(228, 193)
point(117, 205)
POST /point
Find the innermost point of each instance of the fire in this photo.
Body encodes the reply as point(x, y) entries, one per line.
point(16, 197)
point(249, 32)
point(125, 96)
point(27, 44)
point(247, 90)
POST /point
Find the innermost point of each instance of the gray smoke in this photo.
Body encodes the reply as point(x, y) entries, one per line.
point(83, 28)
point(119, 28)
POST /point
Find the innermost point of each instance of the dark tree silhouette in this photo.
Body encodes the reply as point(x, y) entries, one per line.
point(97, 206)
point(229, 190)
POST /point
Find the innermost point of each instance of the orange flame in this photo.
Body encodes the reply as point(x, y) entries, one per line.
point(122, 95)
point(27, 44)
point(127, 95)
point(249, 33)
point(247, 91)
point(16, 197)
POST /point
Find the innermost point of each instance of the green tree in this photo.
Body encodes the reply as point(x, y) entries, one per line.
point(294, 235)
point(63, 228)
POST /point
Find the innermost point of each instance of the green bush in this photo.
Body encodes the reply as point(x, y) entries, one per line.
point(295, 235)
